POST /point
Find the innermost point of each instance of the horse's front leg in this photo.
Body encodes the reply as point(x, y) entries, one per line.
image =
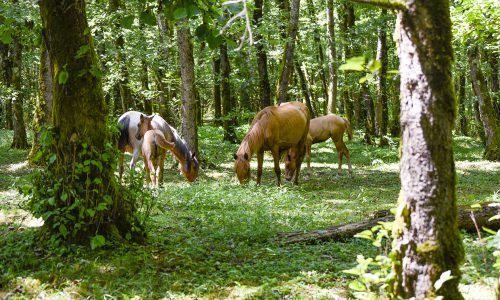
point(308, 154)
point(260, 160)
point(276, 157)
point(298, 162)
point(147, 171)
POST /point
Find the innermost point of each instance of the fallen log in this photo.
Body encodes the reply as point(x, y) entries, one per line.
point(469, 219)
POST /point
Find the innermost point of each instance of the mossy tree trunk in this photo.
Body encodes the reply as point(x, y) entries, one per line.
point(164, 108)
point(19, 140)
point(461, 105)
point(264, 86)
point(486, 109)
point(228, 107)
point(427, 242)
point(332, 59)
point(382, 80)
point(305, 89)
point(6, 69)
point(216, 92)
point(43, 106)
point(81, 164)
point(189, 129)
point(287, 69)
point(348, 22)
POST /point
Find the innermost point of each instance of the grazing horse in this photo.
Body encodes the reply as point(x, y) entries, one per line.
point(154, 149)
point(321, 129)
point(276, 129)
point(128, 142)
point(188, 163)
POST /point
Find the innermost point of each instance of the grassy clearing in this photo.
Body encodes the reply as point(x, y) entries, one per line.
point(216, 239)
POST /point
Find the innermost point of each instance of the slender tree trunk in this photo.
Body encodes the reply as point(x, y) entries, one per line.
point(486, 110)
point(19, 140)
point(189, 129)
point(427, 241)
point(148, 106)
point(305, 90)
point(461, 103)
point(396, 105)
point(227, 104)
point(495, 88)
point(332, 63)
point(217, 94)
point(6, 69)
point(43, 106)
point(369, 114)
point(348, 21)
point(382, 79)
point(289, 52)
point(264, 86)
point(164, 108)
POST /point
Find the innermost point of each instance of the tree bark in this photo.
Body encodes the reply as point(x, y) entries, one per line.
point(486, 110)
point(382, 79)
point(189, 129)
point(216, 93)
point(6, 69)
point(461, 104)
point(228, 112)
point(264, 86)
point(427, 241)
point(19, 140)
point(305, 90)
point(369, 114)
point(332, 57)
point(396, 105)
point(43, 107)
point(289, 52)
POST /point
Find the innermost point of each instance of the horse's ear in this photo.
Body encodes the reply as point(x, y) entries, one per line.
point(246, 156)
point(193, 155)
point(142, 117)
point(288, 157)
point(235, 156)
point(151, 117)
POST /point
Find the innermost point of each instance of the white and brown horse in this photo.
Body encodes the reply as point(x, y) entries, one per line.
point(129, 142)
point(276, 129)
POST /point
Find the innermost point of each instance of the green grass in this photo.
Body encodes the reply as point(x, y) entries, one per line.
point(217, 239)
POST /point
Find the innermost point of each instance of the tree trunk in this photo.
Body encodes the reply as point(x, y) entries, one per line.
point(43, 107)
point(332, 63)
point(461, 103)
point(396, 105)
point(19, 141)
point(148, 106)
point(264, 86)
point(217, 94)
point(382, 79)
point(427, 241)
point(227, 106)
point(289, 52)
point(189, 129)
point(486, 110)
point(80, 136)
point(369, 114)
point(305, 90)
point(6, 69)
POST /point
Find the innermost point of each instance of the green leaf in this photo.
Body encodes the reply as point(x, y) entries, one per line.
point(97, 241)
point(82, 51)
point(192, 10)
point(363, 79)
point(127, 21)
point(91, 212)
point(52, 159)
point(63, 76)
point(148, 18)
point(5, 37)
point(365, 234)
point(201, 31)
point(357, 285)
point(374, 65)
point(101, 206)
point(354, 64)
point(63, 230)
point(95, 71)
point(52, 201)
point(180, 12)
point(445, 276)
point(64, 196)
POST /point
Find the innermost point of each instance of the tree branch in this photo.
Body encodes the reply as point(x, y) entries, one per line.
point(387, 4)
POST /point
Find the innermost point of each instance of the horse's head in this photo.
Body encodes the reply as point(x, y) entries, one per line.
point(143, 126)
point(190, 167)
point(290, 163)
point(242, 167)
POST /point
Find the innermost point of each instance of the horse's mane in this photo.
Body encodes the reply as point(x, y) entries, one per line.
point(180, 145)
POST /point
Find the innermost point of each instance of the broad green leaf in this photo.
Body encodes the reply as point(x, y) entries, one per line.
point(97, 241)
point(374, 65)
point(82, 51)
point(365, 234)
point(201, 31)
point(354, 64)
point(5, 37)
point(192, 10)
point(52, 201)
point(64, 196)
point(148, 18)
point(356, 285)
point(91, 212)
point(63, 230)
point(127, 21)
point(363, 79)
point(393, 72)
point(180, 12)
point(63, 76)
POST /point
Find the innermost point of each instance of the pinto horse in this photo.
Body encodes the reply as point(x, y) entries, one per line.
point(276, 129)
point(321, 129)
point(154, 149)
point(128, 142)
point(188, 163)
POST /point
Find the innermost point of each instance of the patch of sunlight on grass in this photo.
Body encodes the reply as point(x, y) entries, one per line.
point(35, 289)
point(242, 292)
point(215, 174)
point(16, 167)
point(483, 290)
point(20, 219)
point(387, 167)
point(484, 165)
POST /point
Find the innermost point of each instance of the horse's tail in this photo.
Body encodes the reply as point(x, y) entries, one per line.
point(349, 128)
point(123, 125)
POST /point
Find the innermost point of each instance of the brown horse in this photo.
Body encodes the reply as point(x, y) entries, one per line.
point(188, 163)
point(276, 129)
point(154, 149)
point(321, 129)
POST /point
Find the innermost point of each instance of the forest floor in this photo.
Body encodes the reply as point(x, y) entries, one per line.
point(215, 239)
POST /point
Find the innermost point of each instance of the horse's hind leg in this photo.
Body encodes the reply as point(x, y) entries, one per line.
point(161, 162)
point(298, 162)
point(276, 157)
point(339, 146)
point(308, 154)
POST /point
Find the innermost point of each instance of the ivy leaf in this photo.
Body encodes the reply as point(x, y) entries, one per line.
point(180, 12)
point(63, 76)
point(97, 241)
point(354, 64)
point(148, 18)
point(127, 21)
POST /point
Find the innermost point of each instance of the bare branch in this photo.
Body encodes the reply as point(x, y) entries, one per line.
point(387, 4)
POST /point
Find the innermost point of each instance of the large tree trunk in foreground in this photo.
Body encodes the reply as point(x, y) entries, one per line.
point(427, 241)
point(264, 86)
point(80, 136)
point(469, 219)
point(43, 106)
point(486, 109)
point(19, 141)
point(287, 69)
point(189, 129)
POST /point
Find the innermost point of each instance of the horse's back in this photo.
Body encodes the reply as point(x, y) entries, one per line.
point(293, 120)
point(322, 128)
